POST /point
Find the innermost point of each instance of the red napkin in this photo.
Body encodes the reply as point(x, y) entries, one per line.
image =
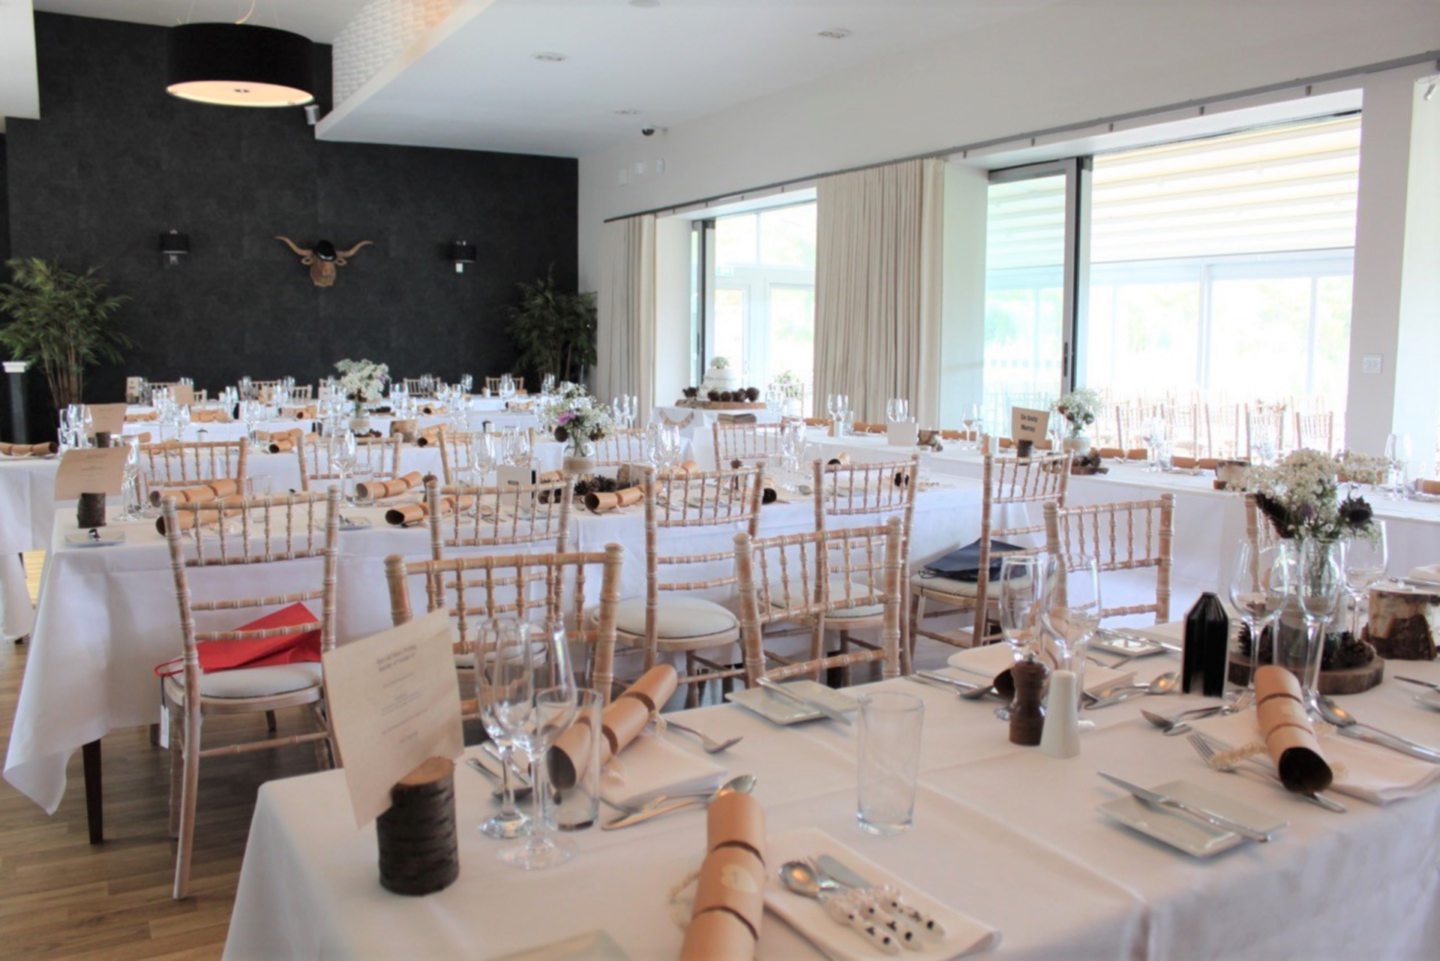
point(258, 652)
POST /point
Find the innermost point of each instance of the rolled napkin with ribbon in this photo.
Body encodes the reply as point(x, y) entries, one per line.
point(199, 494)
point(1118, 453)
point(621, 723)
point(377, 490)
point(1194, 463)
point(839, 460)
point(284, 441)
point(730, 893)
point(689, 467)
point(409, 515)
point(140, 417)
point(428, 437)
point(602, 502)
point(1289, 738)
point(209, 415)
point(407, 428)
point(204, 518)
point(28, 450)
point(307, 412)
point(1431, 487)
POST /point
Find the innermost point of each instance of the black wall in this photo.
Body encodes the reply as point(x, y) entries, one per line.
point(115, 161)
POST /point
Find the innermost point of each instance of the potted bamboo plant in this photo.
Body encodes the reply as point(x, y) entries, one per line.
point(553, 330)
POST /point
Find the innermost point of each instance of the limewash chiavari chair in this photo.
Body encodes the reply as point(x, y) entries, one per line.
point(1315, 431)
point(305, 392)
point(878, 490)
point(1185, 430)
point(477, 588)
point(415, 386)
point(506, 515)
point(816, 578)
point(620, 447)
point(184, 463)
point(705, 509)
point(377, 458)
point(746, 443)
point(273, 530)
point(492, 384)
point(1264, 422)
point(1131, 536)
point(1009, 484)
point(1222, 430)
point(457, 451)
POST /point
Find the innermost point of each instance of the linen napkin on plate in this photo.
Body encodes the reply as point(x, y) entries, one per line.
point(652, 766)
point(990, 659)
point(1429, 573)
point(1366, 771)
point(28, 450)
point(963, 934)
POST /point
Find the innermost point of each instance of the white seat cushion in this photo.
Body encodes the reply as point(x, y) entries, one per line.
point(946, 585)
point(258, 681)
point(676, 616)
point(837, 594)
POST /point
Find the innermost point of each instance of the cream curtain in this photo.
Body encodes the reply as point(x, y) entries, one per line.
point(877, 288)
point(625, 354)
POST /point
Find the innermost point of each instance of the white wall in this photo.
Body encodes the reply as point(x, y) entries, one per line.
point(1061, 65)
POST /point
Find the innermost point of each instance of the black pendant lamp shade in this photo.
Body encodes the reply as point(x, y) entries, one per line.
point(236, 65)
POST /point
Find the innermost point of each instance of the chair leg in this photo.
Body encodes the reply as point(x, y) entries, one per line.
point(190, 786)
point(270, 724)
point(692, 690)
point(94, 793)
point(177, 767)
point(845, 649)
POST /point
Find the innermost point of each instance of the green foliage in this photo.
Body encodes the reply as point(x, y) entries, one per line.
point(61, 321)
point(553, 330)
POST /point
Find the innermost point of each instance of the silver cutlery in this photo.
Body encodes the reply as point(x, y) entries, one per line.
point(1347, 725)
point(1416, 681)
point(741, 784)
point(707, 742)
point(1163, 684)
point(1177, 724)
point(799, 878)
point(967, 690)
point(1208, 748)
point(782, 691)
point(890, 897)
point(1194, 811)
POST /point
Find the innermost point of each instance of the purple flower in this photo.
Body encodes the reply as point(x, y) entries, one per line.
point(565, 418)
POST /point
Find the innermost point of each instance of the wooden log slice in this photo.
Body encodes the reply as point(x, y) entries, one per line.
point(419, 851)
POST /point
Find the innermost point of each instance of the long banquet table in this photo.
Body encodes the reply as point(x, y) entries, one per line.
point(107, 615)
point(1002, 833)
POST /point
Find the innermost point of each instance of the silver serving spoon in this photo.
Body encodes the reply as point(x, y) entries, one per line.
point(1163, 684)
point(1346, 724)
point(1176, 724)
point(741, 784)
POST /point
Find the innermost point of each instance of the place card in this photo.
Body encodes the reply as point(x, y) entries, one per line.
point(90, 470)
point(394, 700)
point(108, 418)
point(182, 394)
point(511, 475)
point(905, 433)
point(1028, 424)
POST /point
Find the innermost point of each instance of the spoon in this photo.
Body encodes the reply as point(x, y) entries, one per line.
point(1176, 724)
point(740, 784)
point(800, 878)
point(1346, 724)
point(1163, 684)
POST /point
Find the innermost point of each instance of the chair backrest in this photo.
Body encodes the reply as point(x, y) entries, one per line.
point(457, 451)
point(184, 463)
point(302, 392)
point(1130, 536)
point(620, 447)
point(493, 383)
point(511, 515)
point(746, 443)
point(375, 457)
point(275, 529)
point(881, 490)
point(415, 386)
point(1315, 431)
point(1222, 430)
point(1186, 436)
point(802, 578)
point(1264, 423)
point(477, 588)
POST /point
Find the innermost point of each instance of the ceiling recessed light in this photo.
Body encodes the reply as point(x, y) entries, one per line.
point(644, 3)
point(628, 112)
point(836, 33)
point(550, 57)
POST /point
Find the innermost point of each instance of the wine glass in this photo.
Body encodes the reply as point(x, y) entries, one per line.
point(1366, 557)
point(897, 409)
point(535, 699)
point(1318, 587)
point(494, 639)
point(129, 486)
point(482, 457)
point(1071, 609)
point(1258, 590)
point(832, 406)
point(1021, 589)
point(1398, 452)
point(344, 452)
point(971, 418)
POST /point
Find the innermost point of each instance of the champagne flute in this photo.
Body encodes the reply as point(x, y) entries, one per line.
point(1258, 590)
point(1366, 557)
point(344, 452)
point(1318, 588)
point(1071, 608)
point(536, 701)
point(495, 685)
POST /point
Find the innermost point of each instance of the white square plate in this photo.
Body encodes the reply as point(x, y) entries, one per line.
point(779, 709)
point(1180, 831)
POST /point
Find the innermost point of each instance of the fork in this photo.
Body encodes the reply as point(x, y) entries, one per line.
point(1208, 751)
point(707, 742)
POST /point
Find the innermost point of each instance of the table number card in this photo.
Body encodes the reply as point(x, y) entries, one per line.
point(394, 700)
point(1027, 424)
point(183, 394)
point(905, 433)
point(90, 470)
point(109, 419)
point(514, 475)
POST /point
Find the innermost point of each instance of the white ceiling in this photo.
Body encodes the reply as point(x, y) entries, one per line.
point(474, 83)
point(320, 20)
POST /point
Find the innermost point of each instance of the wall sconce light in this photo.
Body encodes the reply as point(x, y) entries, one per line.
point(461, 254)
point(174, 248)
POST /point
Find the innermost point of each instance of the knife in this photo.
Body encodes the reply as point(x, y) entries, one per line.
point(1416, 681)
point(794, 698)
point(1394, 742)
point(945, 679)
point(839, 872)
point(1158, 800)
point(646, 813)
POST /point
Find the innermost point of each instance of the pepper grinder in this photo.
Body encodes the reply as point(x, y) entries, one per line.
point(1027, 713)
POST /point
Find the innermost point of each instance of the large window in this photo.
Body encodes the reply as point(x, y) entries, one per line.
point(1220, 269)
point(762, 315)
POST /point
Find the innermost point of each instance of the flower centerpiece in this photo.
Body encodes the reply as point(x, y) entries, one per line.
point(362, 382)
point(1078, 409)
point(576, 421)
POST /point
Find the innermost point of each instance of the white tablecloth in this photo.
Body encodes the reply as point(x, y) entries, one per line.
point(1003, 833)
point(27, 509)
point(107, 615)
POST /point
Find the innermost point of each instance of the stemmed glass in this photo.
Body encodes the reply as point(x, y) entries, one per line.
point(1318, 587)
point(494, 639)
point(1366, 557)
point(482, 457)
point(547, 385)
point(1258, 590)
point(344, 453)
point(1022, 586)
point(1071, 608)
point(969, 421)
point(251, 412)
point(129, 492)
point(507, 387)
point(534, 699)
point(1397, 455)
point(897, 409)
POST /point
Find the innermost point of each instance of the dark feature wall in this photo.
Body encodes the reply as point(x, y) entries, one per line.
point(114, 161)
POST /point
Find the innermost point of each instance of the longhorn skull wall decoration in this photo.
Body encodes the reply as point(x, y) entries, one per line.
point(323, 258)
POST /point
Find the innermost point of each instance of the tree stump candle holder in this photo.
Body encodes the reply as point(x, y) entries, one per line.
point(90, 511)
point(419, 852)
point(1349, 666)
point(1404, 623)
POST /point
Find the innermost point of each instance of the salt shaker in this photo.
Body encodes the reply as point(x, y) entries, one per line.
point(1062, 717)
point(1027, 714)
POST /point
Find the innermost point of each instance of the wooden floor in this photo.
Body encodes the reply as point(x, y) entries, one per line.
point(62, 898)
